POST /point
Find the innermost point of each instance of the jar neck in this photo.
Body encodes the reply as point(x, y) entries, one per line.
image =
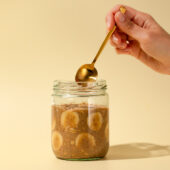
point(61, 88)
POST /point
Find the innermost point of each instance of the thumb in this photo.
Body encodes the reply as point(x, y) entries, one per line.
point(128, 26)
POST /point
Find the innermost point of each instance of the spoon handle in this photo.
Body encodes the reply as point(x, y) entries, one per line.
point(103, 44)
point(122, 10)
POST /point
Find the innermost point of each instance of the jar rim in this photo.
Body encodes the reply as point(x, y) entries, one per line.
point(69, 82)
point(64, 86)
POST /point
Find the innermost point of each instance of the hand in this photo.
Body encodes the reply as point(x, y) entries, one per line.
point(139, 35)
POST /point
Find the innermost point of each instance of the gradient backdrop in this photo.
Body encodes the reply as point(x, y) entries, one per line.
point(44, 40)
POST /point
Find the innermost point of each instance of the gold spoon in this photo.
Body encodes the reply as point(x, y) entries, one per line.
point(88, 72)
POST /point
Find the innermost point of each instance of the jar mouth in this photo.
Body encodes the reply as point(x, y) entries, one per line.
point(73, 84)
point(64, 86)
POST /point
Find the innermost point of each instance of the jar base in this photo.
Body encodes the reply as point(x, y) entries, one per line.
point(81, 159)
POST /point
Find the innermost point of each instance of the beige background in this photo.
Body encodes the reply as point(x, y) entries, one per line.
point(44, 40)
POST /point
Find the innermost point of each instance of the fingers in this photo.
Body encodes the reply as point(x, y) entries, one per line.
point(122, 51)
point(110, 21)
point(119, 40)
point(137, 16)
point(131, 23)
point(130, 12)
point(129, 27)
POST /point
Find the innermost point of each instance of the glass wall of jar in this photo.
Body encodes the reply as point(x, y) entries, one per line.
point(80, 120)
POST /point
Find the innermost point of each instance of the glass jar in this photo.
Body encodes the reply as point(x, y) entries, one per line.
point(80, 120)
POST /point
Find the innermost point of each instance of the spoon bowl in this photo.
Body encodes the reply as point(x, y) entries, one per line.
point(86, 73)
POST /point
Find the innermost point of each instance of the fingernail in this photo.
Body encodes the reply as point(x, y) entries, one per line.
point(123, 46)
point(121, 17)
point(108, 24)
point(115, 39)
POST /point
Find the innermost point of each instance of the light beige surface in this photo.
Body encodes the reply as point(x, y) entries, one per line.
point(41, 38)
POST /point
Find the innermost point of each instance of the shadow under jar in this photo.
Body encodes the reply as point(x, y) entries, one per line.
point(80, 120)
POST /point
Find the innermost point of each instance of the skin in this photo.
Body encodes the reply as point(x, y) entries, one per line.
point(139, 35)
